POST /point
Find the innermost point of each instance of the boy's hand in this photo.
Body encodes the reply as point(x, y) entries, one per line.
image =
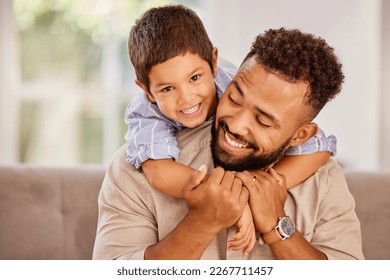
point(245, 238)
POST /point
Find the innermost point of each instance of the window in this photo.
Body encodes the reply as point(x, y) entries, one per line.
point(71, 80)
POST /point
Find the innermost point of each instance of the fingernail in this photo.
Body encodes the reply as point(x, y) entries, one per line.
point(202, 167)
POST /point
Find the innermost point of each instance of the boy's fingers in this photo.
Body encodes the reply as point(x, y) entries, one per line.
point(195, 178)
point(236, 244)
point(250, 246)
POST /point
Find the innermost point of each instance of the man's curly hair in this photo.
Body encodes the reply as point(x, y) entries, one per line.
point(300, 57)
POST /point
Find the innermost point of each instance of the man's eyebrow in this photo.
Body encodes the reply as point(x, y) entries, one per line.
point(237, 86)
point(260, 111)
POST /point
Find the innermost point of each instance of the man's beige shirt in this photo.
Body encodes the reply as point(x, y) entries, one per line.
point(133, 215)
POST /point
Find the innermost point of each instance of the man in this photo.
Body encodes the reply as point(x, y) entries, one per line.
point(282, 84)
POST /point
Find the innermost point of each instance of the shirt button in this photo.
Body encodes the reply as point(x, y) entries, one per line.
point(141, 148)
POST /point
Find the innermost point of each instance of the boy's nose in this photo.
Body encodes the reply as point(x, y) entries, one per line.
point(187, 95)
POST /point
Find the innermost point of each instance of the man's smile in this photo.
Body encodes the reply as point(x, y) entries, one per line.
point(234, 143)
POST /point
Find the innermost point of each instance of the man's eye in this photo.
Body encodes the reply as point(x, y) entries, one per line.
point(262, 123)
point(232, 100)
point(167, 89)
point(195, 78)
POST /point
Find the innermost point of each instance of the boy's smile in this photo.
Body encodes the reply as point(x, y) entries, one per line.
point(183, 88)
point(191, 112)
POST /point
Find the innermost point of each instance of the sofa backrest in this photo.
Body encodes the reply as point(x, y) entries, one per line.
point(371, 191)
point(48, 213)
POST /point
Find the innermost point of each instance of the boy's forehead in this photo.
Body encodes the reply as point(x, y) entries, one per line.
point(179, 66)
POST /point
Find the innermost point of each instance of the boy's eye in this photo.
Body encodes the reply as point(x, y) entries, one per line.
point(167, 89)
point(195, 78)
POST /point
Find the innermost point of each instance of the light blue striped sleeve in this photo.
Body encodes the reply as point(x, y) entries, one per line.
point(225, 74)
point(150, 135)
point(318, 143)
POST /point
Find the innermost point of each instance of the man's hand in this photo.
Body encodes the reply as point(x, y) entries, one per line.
point(267, 196)
point(217, 200)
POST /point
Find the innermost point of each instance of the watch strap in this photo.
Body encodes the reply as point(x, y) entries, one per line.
point(272, 237)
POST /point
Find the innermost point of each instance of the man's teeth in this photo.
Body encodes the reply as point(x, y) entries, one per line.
point(234, 143)
point(191, 110)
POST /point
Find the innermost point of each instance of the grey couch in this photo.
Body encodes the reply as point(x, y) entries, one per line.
point(51, 213)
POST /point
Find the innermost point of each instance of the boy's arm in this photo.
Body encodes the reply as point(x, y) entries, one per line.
point(150, 135)
point(302, 161)
point(167, 175)
point(298, 168)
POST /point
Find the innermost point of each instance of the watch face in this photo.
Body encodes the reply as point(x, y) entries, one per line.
point(286, 227)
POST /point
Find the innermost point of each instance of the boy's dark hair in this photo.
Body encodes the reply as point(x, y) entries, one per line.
point(163, 33)
point(300, 57)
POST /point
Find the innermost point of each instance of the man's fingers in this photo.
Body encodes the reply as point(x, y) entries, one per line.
point(244, 196)
point(278, 177)
point(245, 177)
point(228, 180)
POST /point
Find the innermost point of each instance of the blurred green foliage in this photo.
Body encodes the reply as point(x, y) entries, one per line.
point(61, 45)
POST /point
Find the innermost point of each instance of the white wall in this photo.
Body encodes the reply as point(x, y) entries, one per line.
point(9, 82)
point(385, 98)
point(353, 28)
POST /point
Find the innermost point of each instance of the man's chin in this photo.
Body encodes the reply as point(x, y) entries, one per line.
point(234, 162)
point(247, 160)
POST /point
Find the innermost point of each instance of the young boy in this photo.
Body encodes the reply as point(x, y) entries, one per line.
point(176, 67)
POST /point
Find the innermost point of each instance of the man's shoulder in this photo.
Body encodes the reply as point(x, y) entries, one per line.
point(330, 171)
point(122, 176)
point(195, 139)
point(327, 177)
point(194, 145)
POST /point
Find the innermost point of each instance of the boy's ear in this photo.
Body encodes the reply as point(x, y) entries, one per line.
point(303, 134)
point(145, 89)
point(215, 60)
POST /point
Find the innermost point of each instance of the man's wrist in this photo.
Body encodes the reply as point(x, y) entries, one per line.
point(284, 228)
point(200, 225)
point(268, 223)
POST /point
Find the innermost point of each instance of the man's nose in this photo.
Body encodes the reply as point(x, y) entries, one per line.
point(240, 122)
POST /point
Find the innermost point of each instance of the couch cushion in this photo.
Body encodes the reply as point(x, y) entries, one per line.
point(48, 213)
point(371, 191)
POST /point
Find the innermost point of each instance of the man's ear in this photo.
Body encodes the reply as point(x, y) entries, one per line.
point(145, 89)
point(215, 60)
point(303, 134)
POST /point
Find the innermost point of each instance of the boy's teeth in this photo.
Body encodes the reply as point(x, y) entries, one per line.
point(191, 110)
point(234, 143)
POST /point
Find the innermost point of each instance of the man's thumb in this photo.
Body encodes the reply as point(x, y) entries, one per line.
point(200, 173)
point(196, 178)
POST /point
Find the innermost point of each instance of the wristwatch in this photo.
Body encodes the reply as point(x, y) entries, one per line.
point(285, 228)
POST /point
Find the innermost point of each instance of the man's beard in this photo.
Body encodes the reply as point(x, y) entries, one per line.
point(249, 161)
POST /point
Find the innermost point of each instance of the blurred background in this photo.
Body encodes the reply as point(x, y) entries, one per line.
point(65, 76)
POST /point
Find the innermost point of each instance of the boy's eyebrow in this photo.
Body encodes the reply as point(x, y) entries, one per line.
point(271, 117)
point(197, 69)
